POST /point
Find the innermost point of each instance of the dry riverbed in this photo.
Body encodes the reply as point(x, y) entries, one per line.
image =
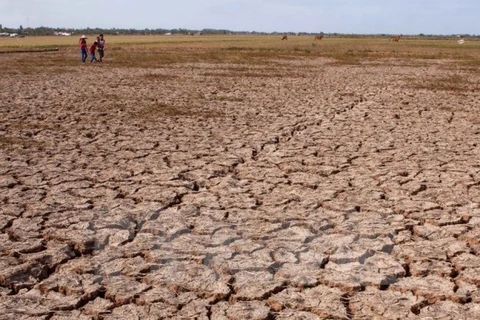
point(293, 189)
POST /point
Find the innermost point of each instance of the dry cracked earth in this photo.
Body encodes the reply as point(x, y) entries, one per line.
point(297, 189)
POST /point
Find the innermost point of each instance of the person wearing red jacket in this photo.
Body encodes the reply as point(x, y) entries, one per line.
point(83, 47)
point(93, 47)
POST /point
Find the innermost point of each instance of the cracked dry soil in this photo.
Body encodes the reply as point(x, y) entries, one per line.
point(204, 191)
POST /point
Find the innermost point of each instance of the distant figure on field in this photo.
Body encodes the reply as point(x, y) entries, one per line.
point(319, 37)
point(101, 47)
point(83, 47)
point(284, 37)
point(396, 38)
point(93, 48)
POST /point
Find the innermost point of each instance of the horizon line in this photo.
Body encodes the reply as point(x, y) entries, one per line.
point(239, 31)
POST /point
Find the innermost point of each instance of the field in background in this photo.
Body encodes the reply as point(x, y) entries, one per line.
point(250, 51)
point(151, 51)
point(253, 51)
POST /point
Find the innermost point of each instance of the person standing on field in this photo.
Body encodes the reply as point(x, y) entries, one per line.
point(83, 47)
point(92, 52)
point(101, 47)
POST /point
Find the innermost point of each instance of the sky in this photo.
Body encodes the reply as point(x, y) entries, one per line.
point(329, 16)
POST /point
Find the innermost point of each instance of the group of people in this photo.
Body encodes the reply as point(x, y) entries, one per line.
point(98, 45)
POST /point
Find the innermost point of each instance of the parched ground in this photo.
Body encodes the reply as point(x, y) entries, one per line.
point(293, 189)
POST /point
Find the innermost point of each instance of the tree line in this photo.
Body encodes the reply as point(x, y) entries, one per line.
point(46, 31)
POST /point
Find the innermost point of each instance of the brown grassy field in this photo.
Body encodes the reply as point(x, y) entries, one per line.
point(240, 177)
point(235, 47)
point(158, 51)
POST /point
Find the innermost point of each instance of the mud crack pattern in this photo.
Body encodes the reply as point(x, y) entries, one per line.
point(186, 192)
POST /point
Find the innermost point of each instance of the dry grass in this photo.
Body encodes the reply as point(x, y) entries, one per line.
point(454, 83)
point(159, 76)
point(158, 51)
point(257, 74)
point(228, 98)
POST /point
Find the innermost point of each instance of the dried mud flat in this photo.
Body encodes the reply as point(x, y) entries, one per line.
point(292, 190)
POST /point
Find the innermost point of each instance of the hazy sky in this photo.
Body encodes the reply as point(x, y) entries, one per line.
point(343, 16)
